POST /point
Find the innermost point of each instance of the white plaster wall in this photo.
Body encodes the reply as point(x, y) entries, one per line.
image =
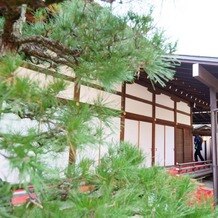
point(164, 100)
point(145, 141)
point(131, 131)
point(138, 91)
point(41, 79)
point(7, 173)
point(92, 150)
point(13, 123)
point(111, 137)
point(139, 134)
point(169, 145)
point(68, 93)
point(137, 107)
point(118, 87)
point(159, 145)
point(65, 70)
point(182, 106)
point(90, 95)
point(56, 161)
point(183, 119)
point(164, 114)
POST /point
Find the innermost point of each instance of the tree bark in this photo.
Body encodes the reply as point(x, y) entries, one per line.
point(8, 42)
point(11, 10)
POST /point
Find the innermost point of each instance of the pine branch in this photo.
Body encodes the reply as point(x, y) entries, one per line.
point(50, 44)
point(41, 54)
point(47, 49)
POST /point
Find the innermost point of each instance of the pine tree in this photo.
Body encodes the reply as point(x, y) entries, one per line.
point(97, 46)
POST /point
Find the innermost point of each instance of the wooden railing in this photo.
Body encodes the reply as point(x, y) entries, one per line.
point(195, 169)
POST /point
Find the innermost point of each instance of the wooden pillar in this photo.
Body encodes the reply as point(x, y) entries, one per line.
point(122, 119)
point(175, 132)
point(213, 107)
point(153, 129)
point(208, 79)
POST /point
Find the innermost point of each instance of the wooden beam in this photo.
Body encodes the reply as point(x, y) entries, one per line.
point(204, 76)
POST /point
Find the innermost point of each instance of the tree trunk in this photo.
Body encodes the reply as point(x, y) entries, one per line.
point(8, 40)
point(11, 11)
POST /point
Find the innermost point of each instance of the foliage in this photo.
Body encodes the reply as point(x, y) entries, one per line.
point(110, 50)
point(97, 44)
point(101, 48)
point(122, 188)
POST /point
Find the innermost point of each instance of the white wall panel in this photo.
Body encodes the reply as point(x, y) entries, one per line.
point(42, 79)
point(6, 172)
point(183, 119)
point(13, 123)
point(118, 87)
point(159, 145)
point(54, 160)
point(111, 135)
point(164, 100)
point(137, 107)
point(131, 131)
point(138, 91)
point(182, 106)
point(90, 95)
point(164, 114)
point(169, 145)
point(68, 93)
point(91, 152)
point(65, 70)
point(145, 141)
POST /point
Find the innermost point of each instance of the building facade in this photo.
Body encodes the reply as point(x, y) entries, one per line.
point(153, 119)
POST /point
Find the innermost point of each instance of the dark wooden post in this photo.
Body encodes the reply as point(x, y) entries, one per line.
point(122, 119)
point(208, 79)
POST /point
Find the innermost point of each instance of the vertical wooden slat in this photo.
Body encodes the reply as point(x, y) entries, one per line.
point(213, 107)
point(188, 145)
point(123, 108)
point(179, 145)
point(153, 129)
point(164, 145)
point(175, 121)
point(191, 114)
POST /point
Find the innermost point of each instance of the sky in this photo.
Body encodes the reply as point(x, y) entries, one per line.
point(192, 23)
